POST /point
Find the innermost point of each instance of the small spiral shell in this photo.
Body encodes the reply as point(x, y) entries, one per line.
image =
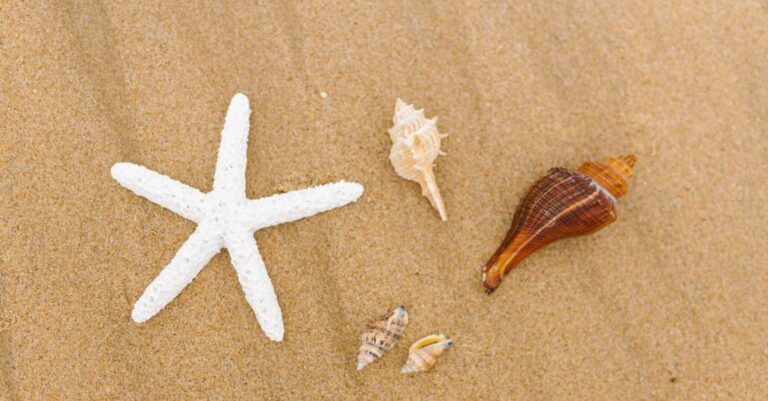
point(564, 203)
point(415, 146)
point(381, 336)
point(423, 354)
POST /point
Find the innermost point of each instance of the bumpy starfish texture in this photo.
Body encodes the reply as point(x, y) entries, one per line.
point(226, 219)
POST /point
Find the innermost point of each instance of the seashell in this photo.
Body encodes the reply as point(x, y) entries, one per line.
point(423, 354)
point(415, 146)
point(562, 204)
point(381, 336)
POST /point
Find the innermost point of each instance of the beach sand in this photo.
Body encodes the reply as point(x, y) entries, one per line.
point(668, 303)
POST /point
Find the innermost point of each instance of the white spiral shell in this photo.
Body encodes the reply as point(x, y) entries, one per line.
point(415, 146)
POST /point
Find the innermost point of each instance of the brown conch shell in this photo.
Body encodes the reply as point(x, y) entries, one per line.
point(381, 336)
point(415, 146)
point(423, 354)
point(562, 204)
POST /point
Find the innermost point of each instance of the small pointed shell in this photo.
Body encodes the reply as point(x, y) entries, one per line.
point(423, 354)
point(381, 336)
point(415, 146)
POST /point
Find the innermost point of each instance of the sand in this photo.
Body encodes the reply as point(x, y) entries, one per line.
point(668, 303)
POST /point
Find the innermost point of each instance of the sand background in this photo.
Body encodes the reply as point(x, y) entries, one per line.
point(668, 303)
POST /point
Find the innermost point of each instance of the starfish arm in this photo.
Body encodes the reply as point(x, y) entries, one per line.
point(229, 177)
point(199, 248)
point(296, 205)
point(256, 284)
point(161, 189)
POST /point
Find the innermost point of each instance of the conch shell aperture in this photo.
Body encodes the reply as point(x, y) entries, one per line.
point(415, 146)
point(564, 203)
point(381, 336)
point(423, 354)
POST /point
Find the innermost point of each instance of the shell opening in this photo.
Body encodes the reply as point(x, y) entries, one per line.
point(431, 340)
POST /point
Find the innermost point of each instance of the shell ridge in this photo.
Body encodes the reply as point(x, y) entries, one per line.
point(537, 236)
point(544, 187)
point(565, 213)
point(545, 200)
point(605, 191)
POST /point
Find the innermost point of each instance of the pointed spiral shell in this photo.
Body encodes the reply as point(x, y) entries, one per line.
point(564, 203)
point(415, 146)
point(381, 336)
point(423, 354)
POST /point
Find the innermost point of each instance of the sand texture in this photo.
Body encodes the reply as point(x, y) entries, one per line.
point(668, 303)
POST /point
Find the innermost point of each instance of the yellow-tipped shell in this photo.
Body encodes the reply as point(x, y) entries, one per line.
point(423, 354)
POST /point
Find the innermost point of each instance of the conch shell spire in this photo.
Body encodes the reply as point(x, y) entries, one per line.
point(415, 146)
point(611, 173)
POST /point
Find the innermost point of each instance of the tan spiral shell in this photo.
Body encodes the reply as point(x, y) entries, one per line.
point(423, 354)
point(415, 146)
point(381, 336)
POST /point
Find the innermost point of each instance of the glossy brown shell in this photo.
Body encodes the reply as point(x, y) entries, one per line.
point(564, 203)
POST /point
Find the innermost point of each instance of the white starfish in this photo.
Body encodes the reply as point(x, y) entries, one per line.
point(226, 219)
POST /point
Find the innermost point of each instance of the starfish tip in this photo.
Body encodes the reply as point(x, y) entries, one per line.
point(355, 189)
point(137, 316)
point(276, 336)
point(239, 99)
point(117, 168)
point(121, 170)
